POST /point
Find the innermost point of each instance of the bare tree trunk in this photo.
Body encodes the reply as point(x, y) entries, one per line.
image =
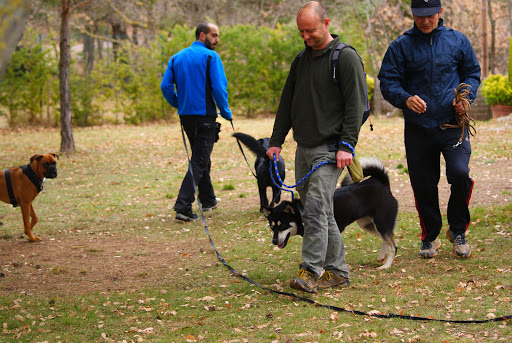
point(88, 50)
point(99, 41)
point(485, 53)
point(118, 34)
point(135, 35)
point(67, 144)
point(492, 54)
point(13, 14)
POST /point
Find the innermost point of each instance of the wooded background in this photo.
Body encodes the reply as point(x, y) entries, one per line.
point(91, 62)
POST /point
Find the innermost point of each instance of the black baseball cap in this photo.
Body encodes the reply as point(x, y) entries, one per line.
point(425, 8)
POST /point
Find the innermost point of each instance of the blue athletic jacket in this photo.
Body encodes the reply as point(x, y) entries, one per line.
point(430, 66)
point(199, 85)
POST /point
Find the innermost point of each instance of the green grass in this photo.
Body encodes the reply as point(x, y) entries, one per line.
point(121, 186)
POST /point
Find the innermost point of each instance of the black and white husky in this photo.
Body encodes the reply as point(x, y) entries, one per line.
point(261, 166)
point(370, 203)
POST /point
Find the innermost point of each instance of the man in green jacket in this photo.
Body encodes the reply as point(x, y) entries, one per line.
point(325, 119)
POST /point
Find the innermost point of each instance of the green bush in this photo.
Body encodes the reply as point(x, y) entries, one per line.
point(257, 61)
point(84, 108)
point(26, 88)
point(496, 90)
point(370, 82)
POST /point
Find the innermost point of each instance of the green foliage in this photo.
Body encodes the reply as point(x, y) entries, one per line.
point(257, 61)
point(370, 83)
point(26, 88)
point(510, 62)
point(496, 90)
point(84, 109)
point(142, 85)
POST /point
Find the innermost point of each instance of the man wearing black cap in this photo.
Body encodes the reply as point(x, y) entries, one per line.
point(419, 72)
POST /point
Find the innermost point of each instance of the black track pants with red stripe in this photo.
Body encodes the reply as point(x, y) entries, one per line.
point(423, 149)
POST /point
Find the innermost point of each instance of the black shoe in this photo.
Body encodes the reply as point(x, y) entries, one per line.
point(209, 206)
point(187, 216)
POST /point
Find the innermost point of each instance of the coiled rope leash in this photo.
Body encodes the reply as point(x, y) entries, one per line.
point(463, 120)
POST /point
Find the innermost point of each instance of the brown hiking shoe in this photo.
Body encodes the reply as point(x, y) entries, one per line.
point(461, 248)
point(429, 249)
point(331, 280)
point(305, 281)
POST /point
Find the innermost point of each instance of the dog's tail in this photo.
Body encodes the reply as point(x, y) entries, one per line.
point(373, 167)
point(251, 142)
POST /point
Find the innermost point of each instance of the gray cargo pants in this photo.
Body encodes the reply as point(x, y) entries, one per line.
point(322, 246)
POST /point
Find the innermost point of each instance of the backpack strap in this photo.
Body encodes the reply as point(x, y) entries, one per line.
point(335, 56)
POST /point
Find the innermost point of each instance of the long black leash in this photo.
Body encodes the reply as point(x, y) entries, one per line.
point(310, 301)
point(242, 150)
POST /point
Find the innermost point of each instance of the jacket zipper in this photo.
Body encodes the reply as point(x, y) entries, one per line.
point(431, 80)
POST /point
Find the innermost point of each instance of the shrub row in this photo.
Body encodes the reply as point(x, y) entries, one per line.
point(256, 60)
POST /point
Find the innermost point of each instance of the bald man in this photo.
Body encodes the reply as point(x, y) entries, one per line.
point(325, 119)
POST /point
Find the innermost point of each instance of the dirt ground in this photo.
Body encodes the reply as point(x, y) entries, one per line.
point(80, 264)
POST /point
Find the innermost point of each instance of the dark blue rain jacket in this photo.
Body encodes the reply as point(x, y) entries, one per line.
point(430, 66)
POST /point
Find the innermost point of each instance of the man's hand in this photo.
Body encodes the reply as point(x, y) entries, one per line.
point(416, 104)
point(273, 150)
point(460, 107)
point(343, 159)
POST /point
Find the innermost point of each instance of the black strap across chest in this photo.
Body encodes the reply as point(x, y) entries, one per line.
point(8, 184)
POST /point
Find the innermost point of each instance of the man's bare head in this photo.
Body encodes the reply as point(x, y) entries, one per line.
point(313, 25)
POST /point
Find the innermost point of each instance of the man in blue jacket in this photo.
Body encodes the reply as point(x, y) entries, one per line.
point(201, 87)
point(419, 73)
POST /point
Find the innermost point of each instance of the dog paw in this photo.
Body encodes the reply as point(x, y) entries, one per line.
point(382, 267)
point(35, 239)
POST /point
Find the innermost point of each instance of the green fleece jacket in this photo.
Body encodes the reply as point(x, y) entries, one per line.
point(319, 111)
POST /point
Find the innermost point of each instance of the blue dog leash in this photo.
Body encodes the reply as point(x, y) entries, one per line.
point(288, 188)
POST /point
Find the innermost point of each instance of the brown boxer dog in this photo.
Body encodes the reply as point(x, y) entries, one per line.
point(20, 185)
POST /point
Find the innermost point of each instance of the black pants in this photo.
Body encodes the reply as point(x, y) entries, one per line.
point(202, 133)
point(423, 148)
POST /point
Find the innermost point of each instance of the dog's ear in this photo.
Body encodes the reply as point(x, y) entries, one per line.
point(264, 141)
point(54, 155)
point(289, 208)
point(36, 157)
point(298, 205)
point(266, 210)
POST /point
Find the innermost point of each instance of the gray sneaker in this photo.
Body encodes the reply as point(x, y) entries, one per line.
point(461, 248)
point(429, 249)
point(331, 280)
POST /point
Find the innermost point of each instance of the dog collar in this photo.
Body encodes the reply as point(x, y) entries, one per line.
point(32, 176)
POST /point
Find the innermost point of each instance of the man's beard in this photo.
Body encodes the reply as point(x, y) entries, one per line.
point(209, 44)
